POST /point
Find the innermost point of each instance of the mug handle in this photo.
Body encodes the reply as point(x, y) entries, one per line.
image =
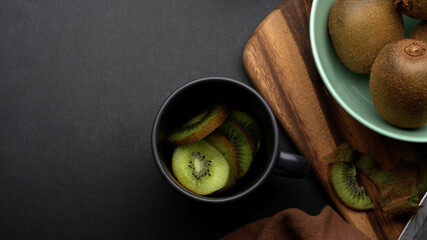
point(291, 165)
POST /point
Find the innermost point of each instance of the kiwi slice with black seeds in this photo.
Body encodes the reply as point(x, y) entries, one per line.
point(200, 167)
point(200, 125)
point(248, 123)
point(224, 146)
point(343, 180)
point(241, 142)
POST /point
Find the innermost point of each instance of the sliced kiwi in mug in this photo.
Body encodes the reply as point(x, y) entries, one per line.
point(215, 148)
point(200, 167)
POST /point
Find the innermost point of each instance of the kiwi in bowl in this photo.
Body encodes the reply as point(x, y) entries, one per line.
point(350, 89)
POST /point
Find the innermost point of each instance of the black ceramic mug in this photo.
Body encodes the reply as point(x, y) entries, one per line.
point(202, 93)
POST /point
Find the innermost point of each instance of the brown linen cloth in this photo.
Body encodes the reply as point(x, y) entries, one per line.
point(294, 224)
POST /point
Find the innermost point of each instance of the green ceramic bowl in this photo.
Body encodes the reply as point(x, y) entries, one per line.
point(351, 90)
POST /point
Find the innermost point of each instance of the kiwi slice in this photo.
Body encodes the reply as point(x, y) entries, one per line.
point(200, 125)
point(200, 167)
point(343, 180)
point(248, 123)
point(240, 141)
point(373, 170)
point(221, 143)
point(343, 153)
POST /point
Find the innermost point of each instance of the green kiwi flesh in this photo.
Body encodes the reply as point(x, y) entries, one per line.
point(233, 132)
point(398, 83)
point(248, 123)
point(343, 179)
point(420, 32)
point(221, 143)
point(200, 125)
point(413, 8)
point(360, 29)
point(200, 167)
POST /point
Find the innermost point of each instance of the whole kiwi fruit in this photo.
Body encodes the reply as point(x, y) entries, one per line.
point(398, 83)
point(360, 29)
point(420, 32)
point(412, 8)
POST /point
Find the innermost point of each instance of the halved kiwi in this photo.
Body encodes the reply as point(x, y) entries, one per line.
point(241, 142)
point(249, 124)
point(221, 143)
point(343, 180)
point(200, 125)
point(200, 167)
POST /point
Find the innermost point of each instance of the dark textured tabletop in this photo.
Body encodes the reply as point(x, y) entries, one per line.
point(80, 84)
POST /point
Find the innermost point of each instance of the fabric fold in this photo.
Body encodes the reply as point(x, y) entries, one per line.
point(294, 224)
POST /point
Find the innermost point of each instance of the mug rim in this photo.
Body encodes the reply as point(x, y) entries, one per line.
point(187, 193)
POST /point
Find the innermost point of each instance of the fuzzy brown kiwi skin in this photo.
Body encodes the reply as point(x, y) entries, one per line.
point(207, 129)
point(398, 83)
point(412, 8)
point(420, 32)
point(360, 29)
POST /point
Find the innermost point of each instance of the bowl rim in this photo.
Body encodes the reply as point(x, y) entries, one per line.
point(331, 89)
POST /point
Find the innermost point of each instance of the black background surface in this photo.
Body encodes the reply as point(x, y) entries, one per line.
point(80, 84)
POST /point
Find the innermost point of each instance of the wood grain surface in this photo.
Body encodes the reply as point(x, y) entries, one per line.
point(279, 62)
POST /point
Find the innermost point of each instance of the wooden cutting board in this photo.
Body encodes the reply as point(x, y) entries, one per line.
point(279, 62)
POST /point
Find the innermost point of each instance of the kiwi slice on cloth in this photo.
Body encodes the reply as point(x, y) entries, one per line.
point(248, 123)
point(221, 143)
point(343, 180)
point(241, 142)
point(200, 167)
point(200, 125)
